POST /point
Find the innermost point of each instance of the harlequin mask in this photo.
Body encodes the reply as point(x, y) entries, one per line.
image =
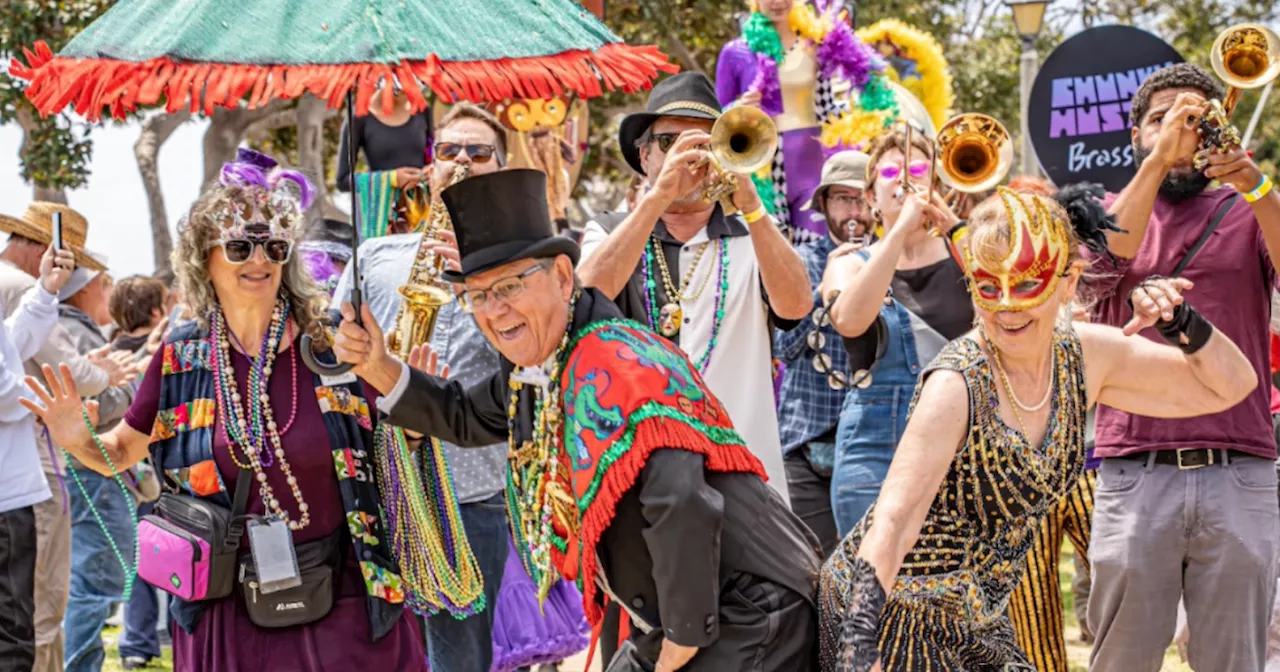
point(1036, 261)
point(271, 204)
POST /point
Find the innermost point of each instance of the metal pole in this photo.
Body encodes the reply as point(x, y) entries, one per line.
point(1027, 71)
point(1257, 113)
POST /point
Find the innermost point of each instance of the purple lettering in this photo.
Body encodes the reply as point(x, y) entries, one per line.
point(1087, 120)
point(1084, 90)
point(1127, 84)
point(1111, 117)
point(1062, 96)
point(1062, 122)
point(1106, 85)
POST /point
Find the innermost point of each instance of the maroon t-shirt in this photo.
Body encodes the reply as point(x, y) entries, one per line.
point(1233, 278)
point(305, 441)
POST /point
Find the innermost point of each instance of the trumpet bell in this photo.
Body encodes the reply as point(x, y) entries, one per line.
point(1246, 56)
point(744, 140)
point(975, 152)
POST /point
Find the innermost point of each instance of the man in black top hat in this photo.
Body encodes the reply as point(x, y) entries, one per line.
point(650, 495)
point(714, 283)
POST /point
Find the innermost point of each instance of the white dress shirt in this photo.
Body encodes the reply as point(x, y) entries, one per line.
point(22, 481)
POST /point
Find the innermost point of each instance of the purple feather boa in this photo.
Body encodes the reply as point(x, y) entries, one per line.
point(767, 83)
point(257, 170)
point(842, 53)
point(322, 269)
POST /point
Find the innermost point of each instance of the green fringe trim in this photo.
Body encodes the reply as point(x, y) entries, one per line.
point(875, 96)
point(653, 409)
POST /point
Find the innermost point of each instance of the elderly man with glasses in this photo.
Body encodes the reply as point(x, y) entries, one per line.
point(626, 472)
point(467, 135)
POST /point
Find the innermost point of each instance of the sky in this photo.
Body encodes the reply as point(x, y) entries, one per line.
point(113, 200)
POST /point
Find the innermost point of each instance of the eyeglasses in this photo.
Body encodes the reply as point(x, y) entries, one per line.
point(504, 290)
point(665, 140)
point(239, 250)
point(478, 153)
point(893, 170)
point(846, 200)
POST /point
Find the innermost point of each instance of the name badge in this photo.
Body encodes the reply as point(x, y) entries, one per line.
point(343, 379)
point(271, 544)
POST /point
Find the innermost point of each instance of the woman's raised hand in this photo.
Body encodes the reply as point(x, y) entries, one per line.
point(60, 408)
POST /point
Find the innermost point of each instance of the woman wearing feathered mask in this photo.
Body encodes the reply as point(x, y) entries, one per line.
point(996, 438)
point(235, 423)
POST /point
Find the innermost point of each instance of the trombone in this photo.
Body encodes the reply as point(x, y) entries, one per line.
point(973, 153)
point(1245, 56)
point(743, 140)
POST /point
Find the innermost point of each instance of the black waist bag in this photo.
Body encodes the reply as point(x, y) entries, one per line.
point(319, 563)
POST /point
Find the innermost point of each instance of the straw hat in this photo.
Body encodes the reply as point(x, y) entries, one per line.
point(37, 224)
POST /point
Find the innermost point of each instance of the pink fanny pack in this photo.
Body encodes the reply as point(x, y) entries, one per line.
point(188, 546)
point(173, 559)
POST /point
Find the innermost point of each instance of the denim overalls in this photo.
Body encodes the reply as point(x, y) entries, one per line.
point(873, 419)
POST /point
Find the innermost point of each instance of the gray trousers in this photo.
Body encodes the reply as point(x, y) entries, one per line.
point(1209, 536)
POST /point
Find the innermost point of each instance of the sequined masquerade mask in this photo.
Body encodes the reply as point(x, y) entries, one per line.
point(268, 212)
point(1036, 260)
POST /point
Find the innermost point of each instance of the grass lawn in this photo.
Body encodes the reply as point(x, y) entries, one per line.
point(1077, 651)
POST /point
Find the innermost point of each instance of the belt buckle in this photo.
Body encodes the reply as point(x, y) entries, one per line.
point(1183, 467)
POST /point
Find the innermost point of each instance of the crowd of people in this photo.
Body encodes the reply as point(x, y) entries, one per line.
point(852, 434)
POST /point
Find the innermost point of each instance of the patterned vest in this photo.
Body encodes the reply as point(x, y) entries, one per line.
point(182, 450)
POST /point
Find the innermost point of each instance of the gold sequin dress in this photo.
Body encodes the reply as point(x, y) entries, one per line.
point(947, 609)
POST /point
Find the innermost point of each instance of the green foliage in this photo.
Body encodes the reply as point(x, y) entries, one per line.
point(57, 150)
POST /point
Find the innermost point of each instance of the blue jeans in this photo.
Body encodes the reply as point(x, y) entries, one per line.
point(467, 645)
point(97, 579)
point(870, 426)
point(139, 639)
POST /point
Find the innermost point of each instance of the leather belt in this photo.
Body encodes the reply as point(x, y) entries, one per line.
point(1188, 458)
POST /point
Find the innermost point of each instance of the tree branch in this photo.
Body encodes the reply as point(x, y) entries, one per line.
point(681, 51)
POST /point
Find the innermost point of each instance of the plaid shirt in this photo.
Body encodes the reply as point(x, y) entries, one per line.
point(807, 406)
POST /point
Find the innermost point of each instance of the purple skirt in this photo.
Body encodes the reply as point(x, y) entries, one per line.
point(523, 636)
point(225, 641)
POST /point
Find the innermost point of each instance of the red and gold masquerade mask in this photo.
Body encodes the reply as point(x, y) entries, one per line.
point(1036, 260)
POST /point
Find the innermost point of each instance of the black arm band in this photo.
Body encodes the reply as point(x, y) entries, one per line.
point(1188, 330)
point(859, 643)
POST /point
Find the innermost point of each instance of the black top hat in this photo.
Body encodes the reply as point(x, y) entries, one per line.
point(688, 94)
point(500, 218)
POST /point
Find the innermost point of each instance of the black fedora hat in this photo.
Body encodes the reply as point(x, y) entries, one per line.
point(500, 218)
point(688, 94)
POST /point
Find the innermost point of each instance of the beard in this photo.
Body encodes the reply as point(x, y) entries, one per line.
point(844, 230)
point(1179, 184)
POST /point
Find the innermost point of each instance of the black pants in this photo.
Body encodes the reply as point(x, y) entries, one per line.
point(764, 627)
point(811, 499)
point(17, 590)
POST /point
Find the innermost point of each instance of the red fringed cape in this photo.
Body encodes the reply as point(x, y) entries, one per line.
point(628, 392)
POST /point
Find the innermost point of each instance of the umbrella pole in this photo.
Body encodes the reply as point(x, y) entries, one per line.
point(308, 356)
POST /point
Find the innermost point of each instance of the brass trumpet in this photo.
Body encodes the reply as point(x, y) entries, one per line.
point(743, 140)
point(1245, 56)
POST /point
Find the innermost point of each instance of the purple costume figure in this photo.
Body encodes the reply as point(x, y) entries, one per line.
point(797, 168)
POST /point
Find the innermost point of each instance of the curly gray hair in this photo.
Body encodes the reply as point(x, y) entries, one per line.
point(190, 260)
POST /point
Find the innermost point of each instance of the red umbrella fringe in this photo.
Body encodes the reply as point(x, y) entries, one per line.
point(92, 85)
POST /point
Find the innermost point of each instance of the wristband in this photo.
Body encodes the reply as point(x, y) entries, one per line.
point(1263, 188)
point(1188, 330)
point(755, 215)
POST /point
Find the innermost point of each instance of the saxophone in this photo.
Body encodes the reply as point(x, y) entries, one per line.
point(425, 293)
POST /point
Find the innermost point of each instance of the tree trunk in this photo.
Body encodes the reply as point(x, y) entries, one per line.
point(311, 117)
point(155, 131)
point(226, 129)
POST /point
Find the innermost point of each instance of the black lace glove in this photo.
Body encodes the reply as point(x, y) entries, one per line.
point(860, 628)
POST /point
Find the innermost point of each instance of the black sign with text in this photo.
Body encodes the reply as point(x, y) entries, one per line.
point(1078, 114)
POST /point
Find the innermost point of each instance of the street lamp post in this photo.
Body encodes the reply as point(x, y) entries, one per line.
point(1028, 17)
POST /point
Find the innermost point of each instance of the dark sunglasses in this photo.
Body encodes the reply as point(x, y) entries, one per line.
point(478, 153)
point(665, 140)
point(239, 250)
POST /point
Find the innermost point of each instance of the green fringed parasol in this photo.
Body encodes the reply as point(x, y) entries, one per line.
point(207, 53)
